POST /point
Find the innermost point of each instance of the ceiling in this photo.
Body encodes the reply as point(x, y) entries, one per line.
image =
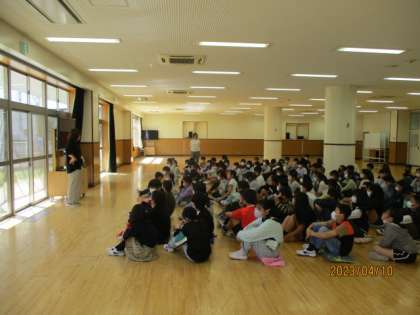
point(303, 37)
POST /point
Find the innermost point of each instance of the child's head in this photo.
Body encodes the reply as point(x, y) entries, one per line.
point(342, 212)
point(248, 197)
point(158, 199)
point(285, 193)
point(159, 176)
point(189, 214)
point(263, 208)
point(167, 185)
point(144, 196)
point(392, 216)
point(187, 180)
point(154, 184)
point(199, 188)
point(166, 169)
point(200, 201)
point(243, 185)
point(307, 186)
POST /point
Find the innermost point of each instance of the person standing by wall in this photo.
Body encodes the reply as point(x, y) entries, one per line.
point(74, 168)
point(195, 147)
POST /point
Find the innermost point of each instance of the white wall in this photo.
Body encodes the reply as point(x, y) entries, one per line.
point(316, 126)
point(122, 121)
point(377, 122)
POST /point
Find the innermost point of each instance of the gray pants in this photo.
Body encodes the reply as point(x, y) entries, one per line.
point(74, 186)
point(195, 155)
point(260, 248)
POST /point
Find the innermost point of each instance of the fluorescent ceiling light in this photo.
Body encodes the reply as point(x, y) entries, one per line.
point(145, 102)
point(208, 87)
point(258, 114)
point(283, 89)
point(321, 110)
point(368, 111)
point(364, 92)
point(314, 75)
point(263, 98)
point(250, 104)
point(297, 115)
point(228, 114)
point(112, 70)
point(138, 95)
point(234, 44)
point(83, 40)
point(318, 99)
point(402, 79)
point(371, 50)
point(414, 93)
point(244, 108)
point(310, 113)
point(381, 101)
point(198, 103)
point(287, 109)
point(201, 96)
point(216, 72)
point(397, 107)
point(301, 105)
point(358, 106)
point(233, 111)
point(129, 85)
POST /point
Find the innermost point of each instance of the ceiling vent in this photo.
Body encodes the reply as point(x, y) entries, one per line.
point(182, 60)
point(56, 11)
point(178, 92)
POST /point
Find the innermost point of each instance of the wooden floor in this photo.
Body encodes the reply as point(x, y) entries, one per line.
point(55, 263)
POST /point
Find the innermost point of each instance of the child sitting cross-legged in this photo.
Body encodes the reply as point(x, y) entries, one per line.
point(264, 235)
point(397, 244)
point(193, 235)
point(335, 236)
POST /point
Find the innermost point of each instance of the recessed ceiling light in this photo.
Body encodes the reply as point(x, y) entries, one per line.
point(201, 96)
point(297, 115)
point(208, 87)
point(381, 101)
point(402, 79)
point(138, 95)
point(263, 98)
point(129, 85)
point(301, 105)
point(112, 70)
point(318, 99)
point(396, 107)
point(310, 113)
point(283, 89)
point(250, 104)
point(83, 40)
point(287, 109)
point(314, 75)
point(414, 93)
point(371, 50)
point(234, 44)
point(216, 72)
point(321, 110)
point(364, 92)
point(368, 111)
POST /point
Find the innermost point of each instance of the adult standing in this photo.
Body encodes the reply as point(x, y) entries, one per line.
point(74, 168)
point(195, 147)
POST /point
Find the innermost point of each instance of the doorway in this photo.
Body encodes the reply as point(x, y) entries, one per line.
point(103, 113)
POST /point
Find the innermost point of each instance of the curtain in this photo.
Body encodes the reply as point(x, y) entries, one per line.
point(112, 149)
point(141, 132)
point(78, 108)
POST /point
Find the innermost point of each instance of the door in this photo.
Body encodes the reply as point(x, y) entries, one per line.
point(414, 140)
point(201, 129)
point(5, 205)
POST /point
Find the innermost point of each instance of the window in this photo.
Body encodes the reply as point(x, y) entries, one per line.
point(51, 97)
point(36, 92)
point(63, 100)
point(297, 131)
point(136, 131)
point(21, 191)
point(4, 191)
point(4, 144)
point(38, 135)
point(52, 131)
point(20, 135)
point(19, 87)
point(40, 187)
point(3, 82)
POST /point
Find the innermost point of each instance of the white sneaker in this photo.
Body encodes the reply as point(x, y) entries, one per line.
point(114, 252)
point(305, 252)
point(238, 255)
point(305, 246)
point(363, 240)
point(167, 248)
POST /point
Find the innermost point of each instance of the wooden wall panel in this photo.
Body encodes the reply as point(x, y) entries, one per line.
point(359, 150)
point(123, 151)
point(398, 152)
point(210, 146)
point(90, 152)
point(302, 147)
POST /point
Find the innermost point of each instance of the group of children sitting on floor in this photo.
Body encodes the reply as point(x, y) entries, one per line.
point(266, 203)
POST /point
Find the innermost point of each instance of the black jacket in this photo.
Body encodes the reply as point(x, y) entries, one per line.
point(141, 226)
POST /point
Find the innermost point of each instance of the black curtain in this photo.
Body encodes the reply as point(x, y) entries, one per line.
point(112, 151)
point(78, 108)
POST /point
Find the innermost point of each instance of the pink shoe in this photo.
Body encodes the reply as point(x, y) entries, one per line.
point(273, 261)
